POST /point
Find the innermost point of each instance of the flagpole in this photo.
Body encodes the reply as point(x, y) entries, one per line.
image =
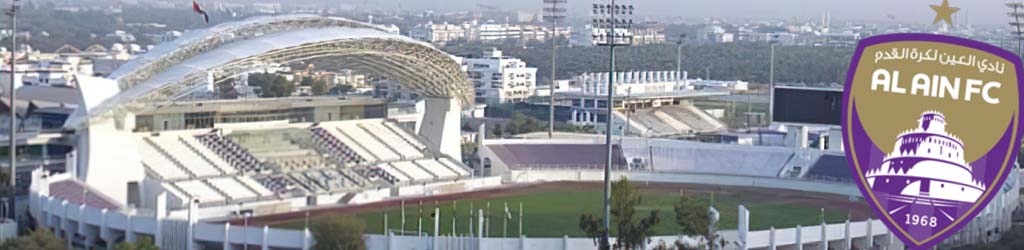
point(455, 206)
point(504, 222)
point(487, 220)
point(470, 219)
point(419, 221)
point(520, 219)
point(402, 231)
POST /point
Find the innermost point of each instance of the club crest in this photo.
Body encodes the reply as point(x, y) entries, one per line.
point(931, 129)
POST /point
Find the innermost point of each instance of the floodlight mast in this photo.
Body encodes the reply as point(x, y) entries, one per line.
point(1017, 22)
point(605, 20)
point(12, 137)
point(553, 13)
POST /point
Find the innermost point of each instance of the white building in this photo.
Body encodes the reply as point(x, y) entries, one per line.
point(438, 33)
point(500, 79)
point(633, 82)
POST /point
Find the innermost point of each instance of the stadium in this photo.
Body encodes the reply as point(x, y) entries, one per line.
point(228, 175)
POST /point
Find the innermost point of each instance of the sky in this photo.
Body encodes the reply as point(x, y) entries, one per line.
point(906, 11)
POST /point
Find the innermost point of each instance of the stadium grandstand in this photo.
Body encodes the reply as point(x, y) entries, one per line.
point(673, 119)
point(184, 162)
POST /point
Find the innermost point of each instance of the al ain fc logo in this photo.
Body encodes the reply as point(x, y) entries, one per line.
point(931, 125)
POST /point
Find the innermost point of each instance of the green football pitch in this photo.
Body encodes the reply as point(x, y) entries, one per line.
point(554, 212)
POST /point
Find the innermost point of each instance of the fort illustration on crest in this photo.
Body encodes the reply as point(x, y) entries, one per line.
point(926, 167)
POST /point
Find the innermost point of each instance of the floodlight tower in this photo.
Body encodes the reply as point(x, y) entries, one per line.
point(12, 135)
point(611, 27)
point(554, 11)
point(1017, 22)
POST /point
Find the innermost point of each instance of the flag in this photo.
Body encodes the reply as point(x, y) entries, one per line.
point(507, 213)
point(197, 10)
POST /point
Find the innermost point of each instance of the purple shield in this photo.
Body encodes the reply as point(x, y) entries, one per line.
point(924, 181)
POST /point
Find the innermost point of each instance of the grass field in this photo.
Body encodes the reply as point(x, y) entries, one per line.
point(554, 213)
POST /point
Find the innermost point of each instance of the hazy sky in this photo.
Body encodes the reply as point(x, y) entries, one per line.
point(906, 11)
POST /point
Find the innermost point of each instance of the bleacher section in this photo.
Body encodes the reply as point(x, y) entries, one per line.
point(232, 188)
point(241, 165)
point(199, 189)
point(231, 152)
point(675, 119)
point(184, 155)
point(287, 149)
point(342, 154)
point(437, 168)
point(830, 167)
point(368, 141)
point(156, 161)
point(397, 142)
point(458, 168)
point(721, 159)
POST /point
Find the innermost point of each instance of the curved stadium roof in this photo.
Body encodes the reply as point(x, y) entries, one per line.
point(176, 68)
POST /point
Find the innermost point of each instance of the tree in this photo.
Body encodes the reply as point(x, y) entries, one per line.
point(341, 232)
point(40, 239)
point(496, 130)
point(320, 87)
point(341, 89)
point(306, 81)
point(145, 243)
point(226, 88)
point(631, 230)
point(272, 85)
point(692, 218)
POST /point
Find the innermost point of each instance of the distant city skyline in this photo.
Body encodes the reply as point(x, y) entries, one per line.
point(911, 12)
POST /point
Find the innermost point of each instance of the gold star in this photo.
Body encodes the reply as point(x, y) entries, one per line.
point(944, 12)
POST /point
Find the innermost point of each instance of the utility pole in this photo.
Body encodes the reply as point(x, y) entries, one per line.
point(605, 19)
point(12, 138)
point(553, 14)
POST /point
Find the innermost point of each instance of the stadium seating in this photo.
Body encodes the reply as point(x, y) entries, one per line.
point(156, 161)
point(205, 152)
point(285, 149)
point(341, 152)
point(451, 164)
point(376, 173)
point(199, 189)
point(435, 167)
point(255, 186)
point(358, 148)
point(232, 188)
point(395, 141)
point(276, 184)
point(721, 159)
point(184, 155)
point(405, 135)
point(413, 170)
point(361, 137)
point(231, 152)
point(831, 167)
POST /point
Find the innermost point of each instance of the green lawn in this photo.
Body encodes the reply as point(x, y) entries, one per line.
point(554, 214)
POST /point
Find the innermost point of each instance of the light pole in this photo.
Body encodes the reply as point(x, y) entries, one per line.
point(12, 138)
point(553, 14)
point(1017, 23)
point(679, 58)
point(617, 33)
point(771, 84)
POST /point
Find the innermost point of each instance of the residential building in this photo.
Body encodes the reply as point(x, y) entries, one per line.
point(500, 79)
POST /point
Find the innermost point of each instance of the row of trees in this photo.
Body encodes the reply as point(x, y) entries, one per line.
point(274, 85)
point(632, 229)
